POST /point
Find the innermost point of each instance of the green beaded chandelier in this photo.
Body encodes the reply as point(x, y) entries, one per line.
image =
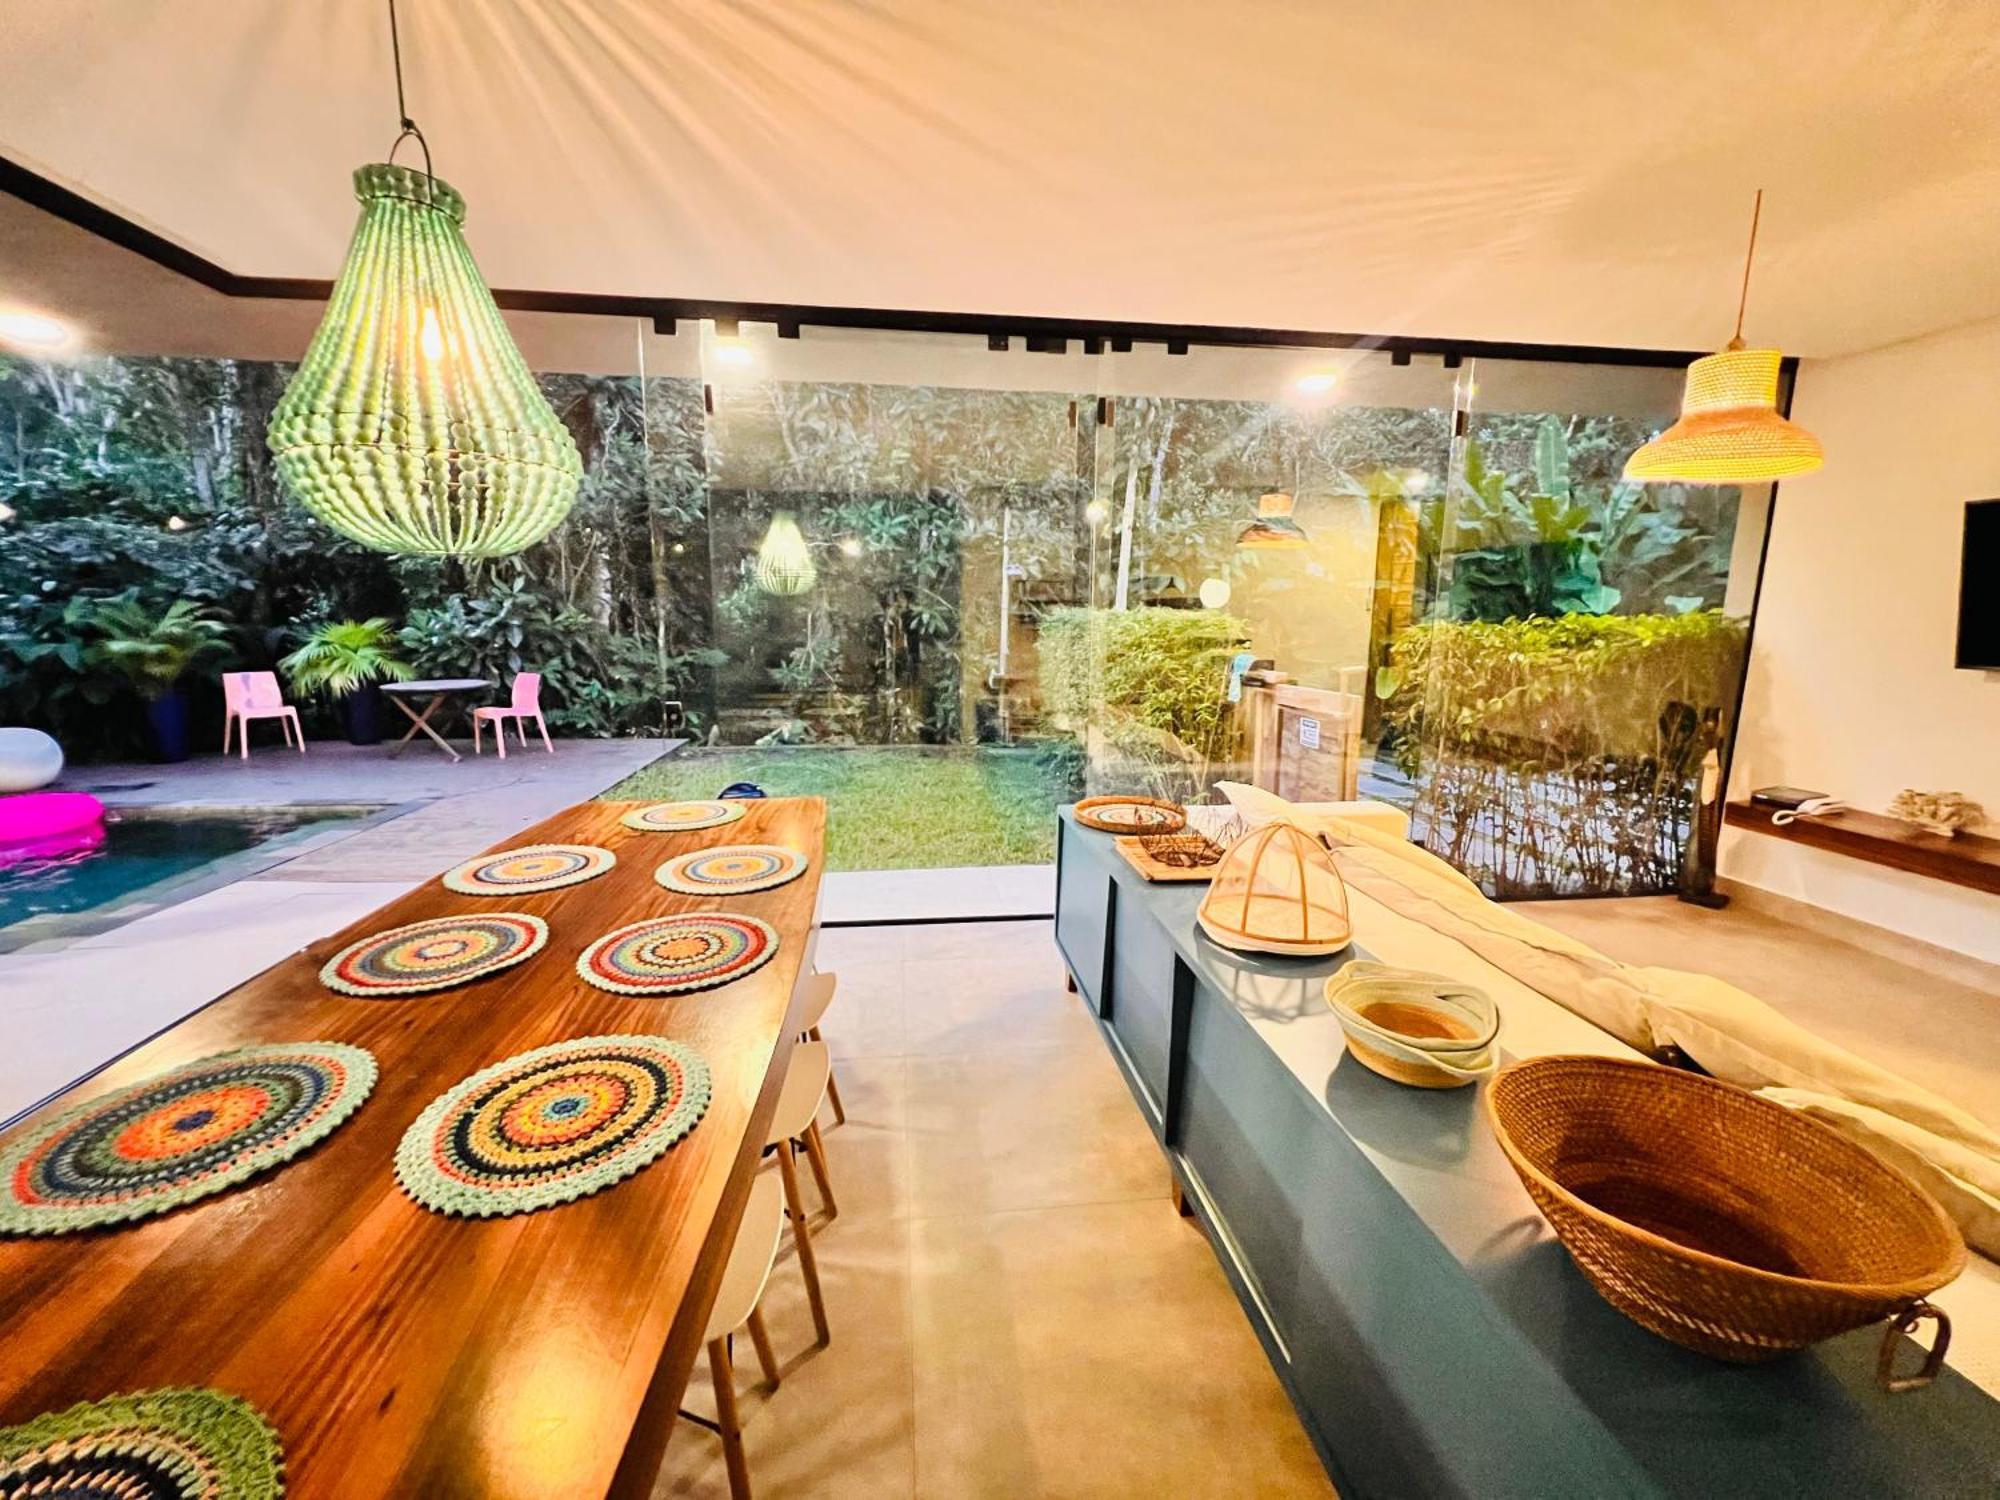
point(413, 424)
point(784, 561)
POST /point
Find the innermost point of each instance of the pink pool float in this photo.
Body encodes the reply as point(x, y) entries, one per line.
point(49, 825)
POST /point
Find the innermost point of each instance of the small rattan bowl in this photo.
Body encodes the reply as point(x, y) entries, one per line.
point(1724, 1222)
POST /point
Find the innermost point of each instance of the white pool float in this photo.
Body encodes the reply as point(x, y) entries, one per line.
point(28, 759)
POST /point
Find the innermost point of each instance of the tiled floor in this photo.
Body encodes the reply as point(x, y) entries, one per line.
point(1017, 1309)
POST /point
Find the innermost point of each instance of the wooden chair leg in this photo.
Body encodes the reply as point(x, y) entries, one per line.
point(727, 1422)
point(795, 1209)
point(816, 1159)
point(761, 1337)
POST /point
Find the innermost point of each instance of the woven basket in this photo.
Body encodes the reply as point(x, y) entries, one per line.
point(1719, 1220)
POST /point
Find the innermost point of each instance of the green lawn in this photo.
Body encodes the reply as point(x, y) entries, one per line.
point(889, 808)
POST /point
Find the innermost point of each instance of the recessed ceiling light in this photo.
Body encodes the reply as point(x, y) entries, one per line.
point(29, 330)
point(1316, 382)
point(730, 351)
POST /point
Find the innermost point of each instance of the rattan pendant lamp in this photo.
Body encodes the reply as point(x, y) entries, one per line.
point(413, 424)
point(1730, 431)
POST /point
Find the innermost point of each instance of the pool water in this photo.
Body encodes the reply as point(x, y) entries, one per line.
point(144, 848)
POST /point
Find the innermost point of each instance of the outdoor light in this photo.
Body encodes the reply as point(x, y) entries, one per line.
point(851, 546)
point(733, 351)
point(784, 563)
point(1274, 529)
point(1214, 593)
point(177, 523)
point(1095, 512)
point(1729, 430)
point(413, 424)
point(33, 332)
point(7, 512)
point(1415, 481)
point(1316, 383)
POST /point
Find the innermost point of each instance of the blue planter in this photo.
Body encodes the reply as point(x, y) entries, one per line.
point(362, 709)
point(168, 717)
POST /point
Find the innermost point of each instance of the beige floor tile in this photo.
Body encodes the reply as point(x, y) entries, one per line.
point(1030, 1128)
point(953, 1006)
point(1011, 944)
point(1092, 1352)
point(861, 945)
point(842, 1421)
point(866, 1017)
point(868, 1157)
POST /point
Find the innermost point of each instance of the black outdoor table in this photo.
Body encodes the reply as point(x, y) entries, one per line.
point(438, 691)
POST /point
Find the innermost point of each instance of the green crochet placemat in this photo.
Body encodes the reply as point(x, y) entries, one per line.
point(177, 1137)
point(552, 1125)
point(679, 817)
point(178, 1444)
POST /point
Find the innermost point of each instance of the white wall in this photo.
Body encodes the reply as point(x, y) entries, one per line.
point(1851, 684)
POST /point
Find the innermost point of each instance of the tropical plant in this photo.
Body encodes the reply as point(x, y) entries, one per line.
point(343, 655)
point(153, 651)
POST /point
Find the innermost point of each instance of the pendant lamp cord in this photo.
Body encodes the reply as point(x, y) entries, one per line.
point(409, 126)
point(1749, 256)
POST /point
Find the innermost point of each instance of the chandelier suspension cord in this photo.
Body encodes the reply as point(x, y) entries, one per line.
point(1749, 256)
point(409, 126)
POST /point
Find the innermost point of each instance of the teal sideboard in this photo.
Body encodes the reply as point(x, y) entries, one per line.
point(1434, 1337)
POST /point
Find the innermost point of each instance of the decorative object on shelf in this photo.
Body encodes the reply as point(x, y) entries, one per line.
point(177, 1137)
point(682, 817)
point(732, 870)
point(1424, 1030)
point(1729, 430)
point(434, 954)
point(1700, 1211)
point(784, 562)
point(1937, 812)
point(674, 955)
point(1131, 815)
point(532, 867)
point(1171, 856)
point(413, 424)
point(1277, 891)
point(29, 759)
point(552, 1125)
point(185, 1443)
point(1274, 528)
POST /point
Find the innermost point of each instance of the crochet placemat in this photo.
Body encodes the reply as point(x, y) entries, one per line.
point(434, 954)
point(678, 817)
point(671, 955)
point(552, 1125)
point(177, 1444)
point(533, 867)
point(177, 1137)
point(730, 870)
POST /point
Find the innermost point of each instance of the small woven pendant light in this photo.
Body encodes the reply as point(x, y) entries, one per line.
point(1277, 891)
point(784, 562)
point(1274, 527)
point(1730, 431)
point(413, 424)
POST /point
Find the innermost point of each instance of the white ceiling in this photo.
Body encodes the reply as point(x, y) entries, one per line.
point(1560, 171)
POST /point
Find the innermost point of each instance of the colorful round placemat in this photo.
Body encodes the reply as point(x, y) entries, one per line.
point(434, 954)
point(552, 1125)
point(533, 867)
point(177, 1444)
point(679, 817)
point(177, 1137)
point(731, 870)
point(671, 955)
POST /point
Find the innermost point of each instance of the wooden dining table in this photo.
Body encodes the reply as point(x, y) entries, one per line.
point(403, 1352)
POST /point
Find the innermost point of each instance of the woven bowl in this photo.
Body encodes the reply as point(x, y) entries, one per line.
point(1719, 1220)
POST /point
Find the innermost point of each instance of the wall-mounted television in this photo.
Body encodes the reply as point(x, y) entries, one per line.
point(1979, 589)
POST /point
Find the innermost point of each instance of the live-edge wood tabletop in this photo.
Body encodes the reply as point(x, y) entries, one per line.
point(404, 1352)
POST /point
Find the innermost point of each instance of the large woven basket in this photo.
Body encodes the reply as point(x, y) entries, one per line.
point(1719, 1220)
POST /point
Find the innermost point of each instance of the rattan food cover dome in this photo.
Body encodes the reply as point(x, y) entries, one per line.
point(1277, 891)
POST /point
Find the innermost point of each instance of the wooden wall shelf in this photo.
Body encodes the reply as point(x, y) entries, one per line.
point(1968, 859)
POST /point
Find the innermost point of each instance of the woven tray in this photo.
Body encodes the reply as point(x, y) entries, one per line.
point(1140, 815)
point(1152, 868)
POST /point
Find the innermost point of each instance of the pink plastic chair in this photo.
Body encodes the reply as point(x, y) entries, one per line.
point(527, 705)
point(255, 695)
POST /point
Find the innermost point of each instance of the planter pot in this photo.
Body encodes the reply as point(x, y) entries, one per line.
point(167, 716)
point(362, 711)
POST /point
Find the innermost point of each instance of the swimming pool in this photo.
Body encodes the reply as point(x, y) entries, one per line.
point(152, 853)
